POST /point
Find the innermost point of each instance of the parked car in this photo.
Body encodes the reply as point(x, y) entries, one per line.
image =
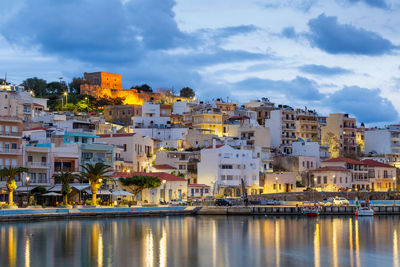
point(273, 201)
point(222, 202)
point(326, 202)
point(177, 202)
point(340, 201)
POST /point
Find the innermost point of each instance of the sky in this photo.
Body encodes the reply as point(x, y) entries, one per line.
point(327, 55)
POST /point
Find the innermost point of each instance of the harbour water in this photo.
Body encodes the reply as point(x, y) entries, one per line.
point(203, 241)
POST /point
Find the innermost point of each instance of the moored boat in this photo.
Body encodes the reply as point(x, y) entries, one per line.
point(364, 210)
point(311, 211)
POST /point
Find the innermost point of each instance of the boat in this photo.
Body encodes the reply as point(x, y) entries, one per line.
point(364, 210)
point(311, 211)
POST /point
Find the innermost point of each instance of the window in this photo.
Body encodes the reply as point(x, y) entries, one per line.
point(30, 158)
point(325, 179)
point(223, 177)
point(274, 186)
point(14, 145)
point(206, 190)
point(76, 139)
point(229, 177)
point(125, 147)
point(228, 167)
point(14, 163)
point(84, 140)
point(318, 179)
point(182, 167)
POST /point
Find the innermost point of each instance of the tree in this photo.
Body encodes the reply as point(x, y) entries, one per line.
point(38, 86)
point(11, 173)
point(332, 141)
point(143, 88)
point(179, 174)
point(57, 88)
point(138, 183)
point(64, 178)
point(187, 92)
point(82, 106)
point(95, 174)
point(75, 84)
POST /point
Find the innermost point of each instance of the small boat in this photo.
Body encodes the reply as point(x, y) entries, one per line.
point(311, 211)
point(364, 210)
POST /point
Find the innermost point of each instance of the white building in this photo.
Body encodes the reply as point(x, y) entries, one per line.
point(282, 123)
point(135, 149)
point(224, 167)
point(310, 149)
point(279, 182)
point(382, 141)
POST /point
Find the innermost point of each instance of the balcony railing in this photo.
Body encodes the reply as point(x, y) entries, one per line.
point(65, 169)
point(5, 150)
point(38, 165)
point(11, 134)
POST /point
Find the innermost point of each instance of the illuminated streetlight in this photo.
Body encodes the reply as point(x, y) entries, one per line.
point(27, 190)
point(164, 183)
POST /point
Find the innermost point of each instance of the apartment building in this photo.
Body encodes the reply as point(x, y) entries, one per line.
point(340, 134)
point(136, 149)
point(10, 142)
point(263, 109)
point(223, 168)
point(151, 117)
point(122, 114)
point(282, 123)
point(184, 162)
point(307, 127)
point(209, 121)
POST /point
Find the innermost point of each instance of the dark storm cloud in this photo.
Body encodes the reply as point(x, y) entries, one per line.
point(366, 104)
point(334, 38)
point(322, 70)
point(299, 88)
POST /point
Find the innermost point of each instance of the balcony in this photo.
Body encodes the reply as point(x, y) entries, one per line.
point(11, 134)
point(38, 165)
point(10, 151)
point(65, 169)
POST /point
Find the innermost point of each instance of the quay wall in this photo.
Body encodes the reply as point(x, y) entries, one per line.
point(68, 213)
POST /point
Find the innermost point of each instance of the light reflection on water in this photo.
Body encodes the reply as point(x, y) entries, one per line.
point(203, 241)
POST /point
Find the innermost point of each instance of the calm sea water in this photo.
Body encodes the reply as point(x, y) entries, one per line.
point(203, 241)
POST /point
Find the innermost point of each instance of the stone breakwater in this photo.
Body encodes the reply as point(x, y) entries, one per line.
point(68, 213)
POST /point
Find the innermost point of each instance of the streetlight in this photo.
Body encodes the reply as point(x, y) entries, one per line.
point(313, 193)
point(66, 98)
point(276, 184)
point(27, 191)
point(164, 183)
point(87, 103)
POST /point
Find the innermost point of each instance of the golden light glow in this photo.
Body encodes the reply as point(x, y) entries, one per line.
point(334, 244)
point(163, 248)
point(149, 248)
point(27, 252)
point(12, 247)
point(277, 245)
point(351, 242)
point(396, 258)
point(358, 262)
point(317, 260)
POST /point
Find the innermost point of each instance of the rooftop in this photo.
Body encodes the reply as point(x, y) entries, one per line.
point(330, 168)
point(347, 160)
point(374, 163)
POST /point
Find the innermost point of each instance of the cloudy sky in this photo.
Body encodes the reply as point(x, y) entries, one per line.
point(328, 55)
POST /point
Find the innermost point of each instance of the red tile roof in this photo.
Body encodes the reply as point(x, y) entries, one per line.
point(347, 160)
point(37, 128)
point(330, 168)
point(374, 163)
point(163, 167)
point(116, 135)
point(198, 185)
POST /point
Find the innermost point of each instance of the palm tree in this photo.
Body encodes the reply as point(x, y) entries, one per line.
point(95, 174)
point(64, 178)
point(11, 173)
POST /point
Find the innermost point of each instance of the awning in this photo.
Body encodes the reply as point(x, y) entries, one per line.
point(122, 193)
point(99, 192)
point(52, 194)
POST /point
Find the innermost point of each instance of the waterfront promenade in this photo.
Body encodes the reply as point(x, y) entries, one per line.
point(105, 212)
